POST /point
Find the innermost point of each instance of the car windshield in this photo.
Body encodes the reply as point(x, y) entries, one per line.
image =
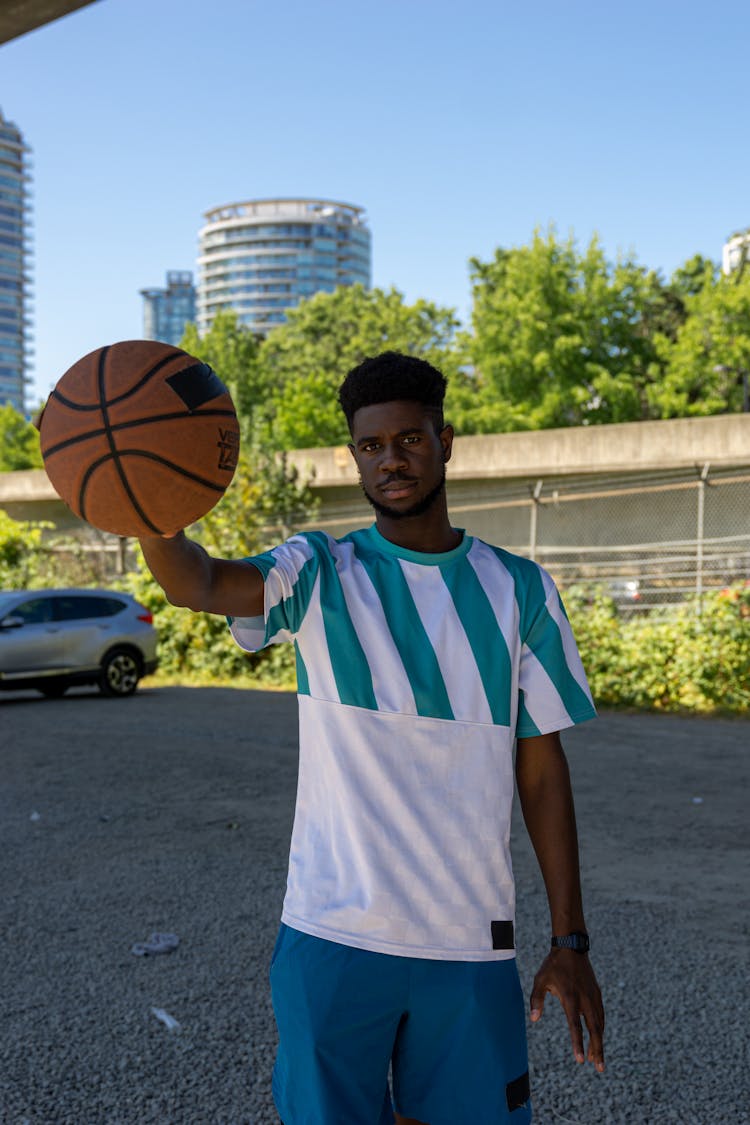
point(6, 600)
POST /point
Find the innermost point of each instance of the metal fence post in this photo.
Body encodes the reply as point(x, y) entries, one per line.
point(536, 492)
point(702, 483)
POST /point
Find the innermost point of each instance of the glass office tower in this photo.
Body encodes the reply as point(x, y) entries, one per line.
point(167, 311)
point(15, 294)
point(263, 257)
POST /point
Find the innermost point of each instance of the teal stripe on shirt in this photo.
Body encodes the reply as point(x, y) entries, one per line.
point(545, 642)
point(484, 636)
point(525, 725)
point(303, 682)
point(350, 668)
point(263, 562)
point(542, 635)
point(289, 613)
point(407, 630)
point(527, 584)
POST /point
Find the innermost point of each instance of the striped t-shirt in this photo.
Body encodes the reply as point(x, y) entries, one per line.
point(416, 672)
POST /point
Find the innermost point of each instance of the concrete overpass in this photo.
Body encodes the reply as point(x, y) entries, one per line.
point(624, 447)
point(487, 466)
point(17, 17)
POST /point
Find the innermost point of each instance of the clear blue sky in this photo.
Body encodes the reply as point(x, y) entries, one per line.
point(459, 124)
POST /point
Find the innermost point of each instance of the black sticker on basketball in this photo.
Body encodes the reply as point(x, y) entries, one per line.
point(196, 385)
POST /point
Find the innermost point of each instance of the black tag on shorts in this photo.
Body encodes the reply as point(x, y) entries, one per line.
point(518, 1092)
point(502, 935)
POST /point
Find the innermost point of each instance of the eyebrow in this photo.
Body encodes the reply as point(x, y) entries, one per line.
point(401, 433)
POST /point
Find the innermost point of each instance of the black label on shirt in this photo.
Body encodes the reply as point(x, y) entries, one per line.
point(502, 935)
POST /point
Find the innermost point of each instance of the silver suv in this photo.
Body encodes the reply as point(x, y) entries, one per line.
point(53, 639)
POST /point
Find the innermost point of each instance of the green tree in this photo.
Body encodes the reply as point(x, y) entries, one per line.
point(19, 442)
point(707, 366)
point(564, 338)
point(690, 278)
point(304, 361)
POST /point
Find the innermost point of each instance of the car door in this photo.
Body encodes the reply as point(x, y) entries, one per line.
point(88, 627)
point(37, 644)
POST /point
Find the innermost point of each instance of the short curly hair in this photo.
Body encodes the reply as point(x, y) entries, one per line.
point(391, 376)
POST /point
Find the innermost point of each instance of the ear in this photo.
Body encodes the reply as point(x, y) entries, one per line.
point(446, 440)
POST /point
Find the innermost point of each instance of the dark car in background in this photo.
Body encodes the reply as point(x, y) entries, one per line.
point(51, 640)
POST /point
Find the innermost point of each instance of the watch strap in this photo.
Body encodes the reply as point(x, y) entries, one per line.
point(577, 941)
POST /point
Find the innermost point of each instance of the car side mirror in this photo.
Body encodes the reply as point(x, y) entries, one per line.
point(11, 622)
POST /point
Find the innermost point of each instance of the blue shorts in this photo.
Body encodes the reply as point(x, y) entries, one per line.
point(454, 1033)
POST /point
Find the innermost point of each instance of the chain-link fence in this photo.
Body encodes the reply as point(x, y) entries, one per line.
point(647, 538)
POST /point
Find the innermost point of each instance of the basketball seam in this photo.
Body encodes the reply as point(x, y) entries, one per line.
point(117, 426)
point(149, 456)
point(126, 394)
point(115, 454)
point(85, 482)
point(171, 465)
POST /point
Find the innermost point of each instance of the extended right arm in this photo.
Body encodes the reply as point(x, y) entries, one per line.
point(191, 577)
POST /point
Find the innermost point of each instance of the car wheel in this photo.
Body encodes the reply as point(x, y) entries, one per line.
point(121, 671)
point(53, 690)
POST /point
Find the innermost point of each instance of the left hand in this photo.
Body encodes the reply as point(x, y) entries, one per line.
point(569, 976)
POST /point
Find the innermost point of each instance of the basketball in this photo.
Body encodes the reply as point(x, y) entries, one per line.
point(139, 438)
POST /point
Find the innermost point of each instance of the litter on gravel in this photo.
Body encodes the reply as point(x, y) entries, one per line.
point(169, 1022)
point(157, 943)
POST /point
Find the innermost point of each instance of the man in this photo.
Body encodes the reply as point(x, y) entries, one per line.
point(422, 655)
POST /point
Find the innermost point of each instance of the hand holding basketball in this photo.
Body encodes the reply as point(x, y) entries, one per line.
point(139, 438)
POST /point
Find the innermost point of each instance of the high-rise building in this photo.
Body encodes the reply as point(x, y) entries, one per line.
point(15, 295)
point(263, 257)
point(735, 252)
point(167, 311)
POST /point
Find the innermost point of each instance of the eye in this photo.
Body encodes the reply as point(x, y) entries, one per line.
point(369, 447)
point(411, 439)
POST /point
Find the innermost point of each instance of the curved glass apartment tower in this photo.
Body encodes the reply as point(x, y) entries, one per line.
point(262, 257)
point(14, 256)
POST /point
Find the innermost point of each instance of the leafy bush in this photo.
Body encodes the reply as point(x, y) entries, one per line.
point(200, 646)
point(671, 659)
point(30, 559)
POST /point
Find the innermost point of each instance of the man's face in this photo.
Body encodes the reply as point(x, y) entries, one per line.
point(400, 457)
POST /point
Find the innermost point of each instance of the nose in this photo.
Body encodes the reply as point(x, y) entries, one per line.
point(392, 458)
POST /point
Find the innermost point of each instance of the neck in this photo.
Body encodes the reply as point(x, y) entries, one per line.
point(431, 532)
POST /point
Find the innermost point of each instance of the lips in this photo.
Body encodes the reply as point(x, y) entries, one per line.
point(396, 489)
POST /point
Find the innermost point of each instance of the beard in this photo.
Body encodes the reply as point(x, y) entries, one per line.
point(417, 509)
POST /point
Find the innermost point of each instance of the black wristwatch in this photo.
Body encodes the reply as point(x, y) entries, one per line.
point(578, 941)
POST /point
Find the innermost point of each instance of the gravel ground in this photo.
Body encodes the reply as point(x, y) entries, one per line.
point(172, 811)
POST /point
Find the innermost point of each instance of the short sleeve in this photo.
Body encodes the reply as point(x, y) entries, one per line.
point(553, 690)
point(289, 572)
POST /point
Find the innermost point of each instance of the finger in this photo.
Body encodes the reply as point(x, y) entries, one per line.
point(595, 1024)
point(537, 1002)
point(572, 1015)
